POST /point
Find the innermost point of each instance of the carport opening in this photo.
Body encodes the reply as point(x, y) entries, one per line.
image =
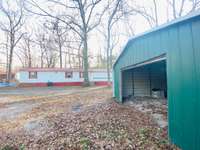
point(146, 81)
point(146, 88)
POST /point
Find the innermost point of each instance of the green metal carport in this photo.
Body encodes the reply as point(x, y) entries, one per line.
point(176, 44)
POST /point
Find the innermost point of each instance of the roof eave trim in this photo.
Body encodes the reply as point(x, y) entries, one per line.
point(165, 25)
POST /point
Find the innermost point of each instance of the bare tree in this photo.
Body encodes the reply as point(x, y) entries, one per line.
point(78, 19)
point(73, 48)
point(178, 7)
point(12, 26)
point(40, 41)
point(176, 12)
point(60, 40)
point(114, 14)
point(155, 8)
point(5, 52)
point(112, 19)
point(195, 5)
point(59, 33)
point(150, 14)
point(49, 53)
point(25, 48)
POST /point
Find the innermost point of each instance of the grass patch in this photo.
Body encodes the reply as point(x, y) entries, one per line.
point(85, 143)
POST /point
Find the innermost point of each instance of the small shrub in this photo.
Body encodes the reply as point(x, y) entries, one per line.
point(7, 147)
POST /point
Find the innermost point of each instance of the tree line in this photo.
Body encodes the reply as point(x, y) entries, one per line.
point(60, 36)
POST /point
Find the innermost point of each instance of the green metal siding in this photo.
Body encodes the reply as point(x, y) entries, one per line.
point(181, 43)
point(196, 48)
point(139, 50)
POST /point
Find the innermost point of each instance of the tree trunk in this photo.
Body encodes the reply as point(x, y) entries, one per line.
point(29, 55)
point(69, 60)
point(7, 58)
point(79, 59)
point(65, 60)
point(60, 50)
point(10, 64)
point(111, 60)
point(42, 63)
point(174, 8)
point(156, 12)
point(85, 60)
point(7, 66)
point(42, 54)
point(12, 42)
point(108, 52)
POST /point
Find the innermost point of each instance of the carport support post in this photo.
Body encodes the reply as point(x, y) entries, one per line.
point(120, 86)
point(133, 82)
point(150, 86)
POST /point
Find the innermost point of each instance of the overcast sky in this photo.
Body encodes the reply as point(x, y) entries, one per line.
point(96, 41)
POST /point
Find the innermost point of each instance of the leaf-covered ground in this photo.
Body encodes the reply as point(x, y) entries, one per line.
point(88, 120)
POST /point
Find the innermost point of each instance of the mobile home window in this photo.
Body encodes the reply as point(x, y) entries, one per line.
point(68, 74)
point(32, 75)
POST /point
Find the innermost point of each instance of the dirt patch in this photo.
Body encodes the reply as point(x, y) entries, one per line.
point(36, 127)
point(11, 111)
point(49, 105)
point(157, 108)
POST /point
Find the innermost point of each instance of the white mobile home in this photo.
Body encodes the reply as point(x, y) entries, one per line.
point(59, 77)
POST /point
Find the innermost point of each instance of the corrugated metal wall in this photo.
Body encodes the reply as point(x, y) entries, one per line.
point(127, 84)
point(181, 42)
point(139, 50)
point(183, 83)
point(135, 82)
point(140, 81)
point(158, 76)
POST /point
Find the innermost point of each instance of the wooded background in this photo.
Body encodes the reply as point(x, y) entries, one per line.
point(77, 33)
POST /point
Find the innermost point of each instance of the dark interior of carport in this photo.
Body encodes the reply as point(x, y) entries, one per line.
point(149, 80)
